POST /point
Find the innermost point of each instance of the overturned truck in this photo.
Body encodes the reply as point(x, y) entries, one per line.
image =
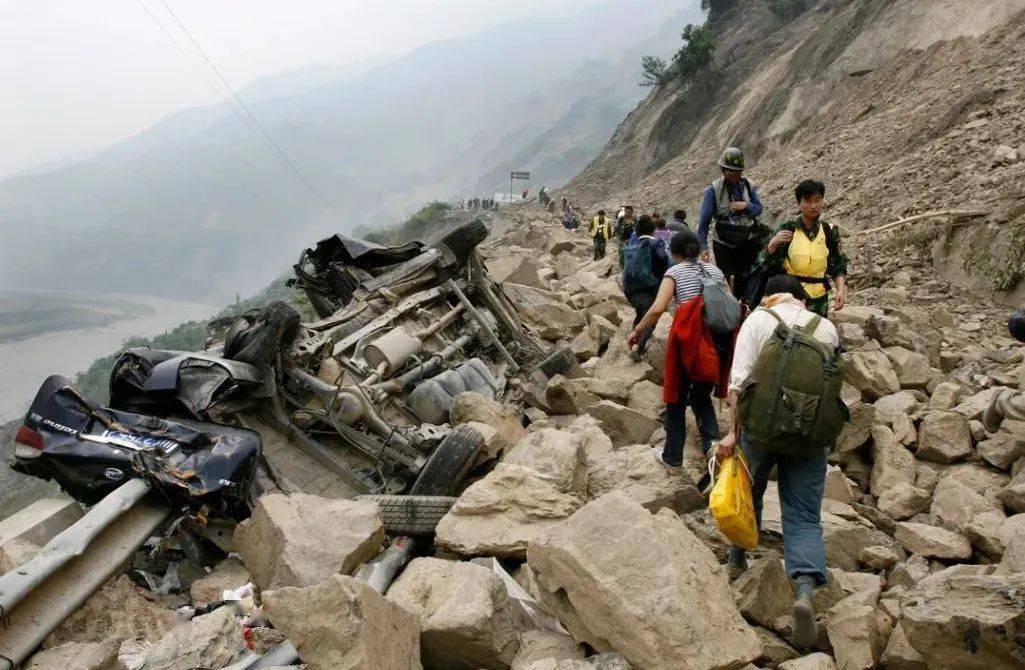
point(365, 390)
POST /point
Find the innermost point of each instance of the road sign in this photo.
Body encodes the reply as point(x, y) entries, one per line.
point(519, 175)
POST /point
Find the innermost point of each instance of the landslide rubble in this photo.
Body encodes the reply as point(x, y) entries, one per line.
point(607, 560)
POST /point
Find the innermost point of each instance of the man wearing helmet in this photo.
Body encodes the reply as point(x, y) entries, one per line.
point(729, 215)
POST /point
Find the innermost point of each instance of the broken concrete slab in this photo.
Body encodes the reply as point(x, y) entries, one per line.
point(467, 620)
point(353, 628)
point(629, 595)
point(300, 540)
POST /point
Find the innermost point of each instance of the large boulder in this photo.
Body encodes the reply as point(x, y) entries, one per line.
point(542, 481)
point(764, 592)
point(932, 541)
point(913, 369)
point(343, 624)
point(955, 504)
point(1012, 495)
point(899, 654)
point(872, 373)
point(473, 407)
point(858, 633)
point(227, 575)
point(856, 432)
point(554, 320)
point(903, 501)
point(621, 578)
point(944, 437)
point(624, 425)
point(119, 609)
point(1012, 537)
point(967, 622)
point(816, 661)
point(635, 472)
point(1006, 446)
point(892, 463)
point(514, 269)
point(78, 656)
point(467, 620)
point(300, 540)
point(569, 396)
point(543, 645)
point(212, 640)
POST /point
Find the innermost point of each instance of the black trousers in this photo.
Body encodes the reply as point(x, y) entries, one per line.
point(736, 263)
point(642, 302)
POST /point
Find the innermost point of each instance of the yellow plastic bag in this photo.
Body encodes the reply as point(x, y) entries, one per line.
point(731, 501)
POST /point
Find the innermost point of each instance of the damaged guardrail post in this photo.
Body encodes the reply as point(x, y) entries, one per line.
point(39, 595)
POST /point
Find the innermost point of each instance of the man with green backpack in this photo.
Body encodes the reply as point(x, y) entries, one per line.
point(785, 395)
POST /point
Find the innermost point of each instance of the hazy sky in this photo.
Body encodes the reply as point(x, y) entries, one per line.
point(77, 75)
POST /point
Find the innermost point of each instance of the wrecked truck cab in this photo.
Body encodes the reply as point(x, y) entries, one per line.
point(378, 376)
point(91, 450)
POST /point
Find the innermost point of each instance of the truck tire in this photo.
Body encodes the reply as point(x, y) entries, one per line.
point(411, 515)
point(448, 465)
point(256, 336)
point(560, 361)
point(464, 239)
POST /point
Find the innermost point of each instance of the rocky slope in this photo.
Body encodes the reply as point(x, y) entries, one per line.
point(900, 107)
point(607, 560)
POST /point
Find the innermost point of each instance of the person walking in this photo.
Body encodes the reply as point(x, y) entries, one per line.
point(689, 383)
point(679, 221)
point(644, 262)
point(809, 248)
point(729, 216)
point(624, 230)
point(600, 232)
point(765, 358)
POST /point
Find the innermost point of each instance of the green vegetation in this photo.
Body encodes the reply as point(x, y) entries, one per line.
point(189, 336)
point(417, 227)
point(716, 8)
point(1000, 263)
point(693, 56)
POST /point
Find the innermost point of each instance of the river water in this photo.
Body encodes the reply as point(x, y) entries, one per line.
point(25, 364)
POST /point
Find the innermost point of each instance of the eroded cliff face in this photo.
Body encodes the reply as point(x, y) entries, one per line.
point(901, 107)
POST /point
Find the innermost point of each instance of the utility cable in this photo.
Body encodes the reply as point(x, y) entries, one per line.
point(247, 119)
point(281, 153)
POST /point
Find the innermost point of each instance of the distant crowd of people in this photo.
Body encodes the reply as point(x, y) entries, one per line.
point(478, 204)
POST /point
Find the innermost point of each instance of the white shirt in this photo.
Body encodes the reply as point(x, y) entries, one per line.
point(758, 328)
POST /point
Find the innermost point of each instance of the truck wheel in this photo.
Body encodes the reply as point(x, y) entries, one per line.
point(448, 465)
point(464, 239)
point(411, 515)
point(560, 361)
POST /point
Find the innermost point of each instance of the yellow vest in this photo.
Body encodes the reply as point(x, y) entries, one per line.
point(807, 258)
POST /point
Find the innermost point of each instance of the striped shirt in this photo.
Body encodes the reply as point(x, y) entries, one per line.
point(687, 277)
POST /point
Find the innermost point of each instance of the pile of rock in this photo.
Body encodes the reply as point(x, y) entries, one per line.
point(577, 550)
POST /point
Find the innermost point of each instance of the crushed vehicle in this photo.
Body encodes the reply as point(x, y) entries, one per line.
point(418, 324)
point(91, 450)
point(366, 389)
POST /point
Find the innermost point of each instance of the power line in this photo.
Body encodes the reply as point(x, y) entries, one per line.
point(248, 119)
point(267, 136)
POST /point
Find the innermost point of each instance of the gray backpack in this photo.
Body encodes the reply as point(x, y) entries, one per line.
point(722, 311)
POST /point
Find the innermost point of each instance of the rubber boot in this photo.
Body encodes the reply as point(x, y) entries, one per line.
point(736, 563)
point(805, 630)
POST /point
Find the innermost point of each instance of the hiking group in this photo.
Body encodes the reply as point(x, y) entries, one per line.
point(749, 326)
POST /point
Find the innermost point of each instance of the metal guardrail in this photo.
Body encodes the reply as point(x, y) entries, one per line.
point(38, 596)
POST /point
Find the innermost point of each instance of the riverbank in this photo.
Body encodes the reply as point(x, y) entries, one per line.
point(26, 362)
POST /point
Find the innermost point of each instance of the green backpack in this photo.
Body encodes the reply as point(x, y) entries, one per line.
point(790, 403)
